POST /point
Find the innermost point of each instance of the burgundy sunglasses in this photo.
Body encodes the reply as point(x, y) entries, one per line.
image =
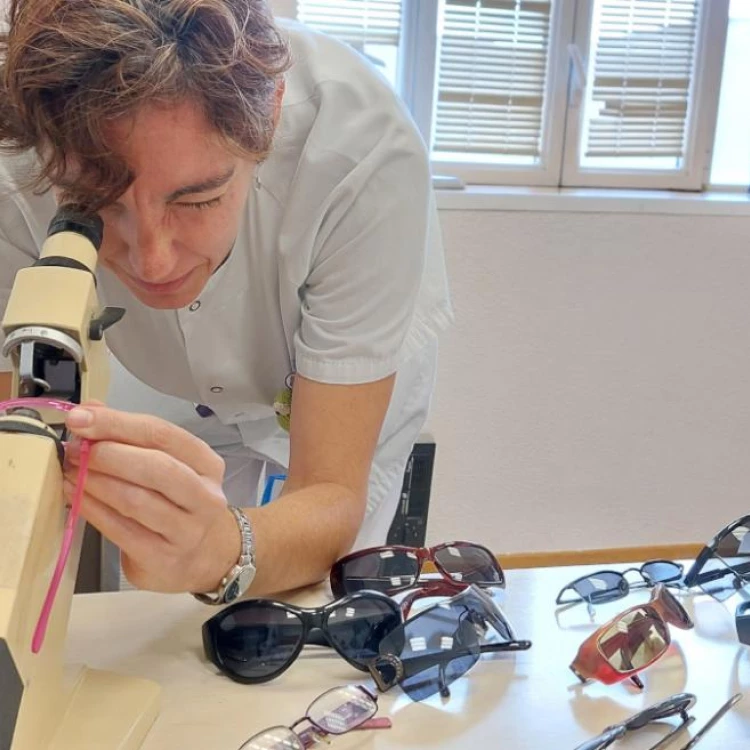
point(395, 568)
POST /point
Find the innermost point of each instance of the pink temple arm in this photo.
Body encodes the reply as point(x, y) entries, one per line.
point(70, 523)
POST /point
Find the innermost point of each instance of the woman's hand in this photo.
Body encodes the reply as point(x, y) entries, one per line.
point(155, 491)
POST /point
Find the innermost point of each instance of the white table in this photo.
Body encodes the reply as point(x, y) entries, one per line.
point(525, 700)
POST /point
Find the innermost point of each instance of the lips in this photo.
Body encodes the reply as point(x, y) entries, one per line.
point(166, 287)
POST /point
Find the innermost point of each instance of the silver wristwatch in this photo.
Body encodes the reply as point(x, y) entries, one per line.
point(237, 581)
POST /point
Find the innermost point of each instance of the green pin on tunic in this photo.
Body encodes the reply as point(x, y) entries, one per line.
point(282, 403)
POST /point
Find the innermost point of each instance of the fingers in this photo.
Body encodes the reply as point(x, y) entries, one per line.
point(135, 543)
point(101, 423)
point(139, 471)
point(143, 507)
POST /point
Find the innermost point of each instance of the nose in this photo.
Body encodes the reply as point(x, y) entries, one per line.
point(150, 242)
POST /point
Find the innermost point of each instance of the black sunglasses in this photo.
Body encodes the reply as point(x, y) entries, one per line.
point(441, 643)
point(723, 565)
point(675, 705)
point(256, 640)
point(609, 585)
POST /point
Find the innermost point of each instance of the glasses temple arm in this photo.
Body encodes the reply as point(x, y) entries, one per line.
point(667, 738)
point(714, 575)
point(489, 648)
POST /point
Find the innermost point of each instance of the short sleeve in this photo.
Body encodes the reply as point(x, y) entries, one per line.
point(359, 299)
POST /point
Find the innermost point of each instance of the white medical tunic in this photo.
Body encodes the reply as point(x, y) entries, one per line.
point(337, 273)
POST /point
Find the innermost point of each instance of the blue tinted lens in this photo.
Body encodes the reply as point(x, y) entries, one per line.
point(661, 571)
point(435, 648)
point(602, 587)
point(429, 682)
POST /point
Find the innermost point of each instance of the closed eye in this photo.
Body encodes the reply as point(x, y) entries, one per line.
point(202, 204)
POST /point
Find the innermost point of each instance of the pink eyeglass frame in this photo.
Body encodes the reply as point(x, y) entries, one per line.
point(40, 630)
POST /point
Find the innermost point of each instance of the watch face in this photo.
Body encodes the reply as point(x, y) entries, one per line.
point(233, 591)
point(239, 584)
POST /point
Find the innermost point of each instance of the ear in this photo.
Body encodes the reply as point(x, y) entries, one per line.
point(278, 100)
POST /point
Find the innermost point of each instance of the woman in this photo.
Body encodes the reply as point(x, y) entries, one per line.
point(268, 220)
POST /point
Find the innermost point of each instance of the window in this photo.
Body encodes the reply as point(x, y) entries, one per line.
point(731, 160)
point(599, 93)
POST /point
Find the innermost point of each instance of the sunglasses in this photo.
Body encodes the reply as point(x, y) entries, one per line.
point(256, 640)
point(675, 705)
point(441, 643)
point(723, 565)
point(395, 568)
point(609, 585)
point(336, 711)
point(632, 641)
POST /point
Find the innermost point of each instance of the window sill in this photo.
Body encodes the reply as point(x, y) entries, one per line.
point(589, 200)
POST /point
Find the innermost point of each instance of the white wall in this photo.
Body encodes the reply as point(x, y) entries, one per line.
point(595, 391)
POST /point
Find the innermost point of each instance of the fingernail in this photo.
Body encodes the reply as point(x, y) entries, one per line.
point(80, 418)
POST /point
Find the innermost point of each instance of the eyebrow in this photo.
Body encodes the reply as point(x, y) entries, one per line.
point(212, 183)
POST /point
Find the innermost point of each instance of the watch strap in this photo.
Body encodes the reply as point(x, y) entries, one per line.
point(245, 564)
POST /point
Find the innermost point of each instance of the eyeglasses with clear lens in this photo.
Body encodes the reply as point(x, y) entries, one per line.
point(337, 711)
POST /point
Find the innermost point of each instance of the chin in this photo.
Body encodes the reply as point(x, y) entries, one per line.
point(172, 300)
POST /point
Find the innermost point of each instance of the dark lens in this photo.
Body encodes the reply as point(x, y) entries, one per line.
point(661, 571)
point(634, 640)
point(468, 563)
point(435, 647)
point(735, 544)
point(605, 586)
point(729, 568)
point(425, 684)
point(662, 710)
point(258, 640)
point(387, 571)
point(357, 628)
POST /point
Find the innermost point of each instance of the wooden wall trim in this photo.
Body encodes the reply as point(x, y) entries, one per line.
point(599, 556)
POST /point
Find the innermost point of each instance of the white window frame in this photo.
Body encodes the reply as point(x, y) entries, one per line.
point(559, 165)
point(419, 53)
point(704, 102)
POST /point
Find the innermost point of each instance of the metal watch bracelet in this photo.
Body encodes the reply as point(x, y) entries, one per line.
point(241, 574)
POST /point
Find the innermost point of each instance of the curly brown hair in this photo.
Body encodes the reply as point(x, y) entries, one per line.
point(70, 67)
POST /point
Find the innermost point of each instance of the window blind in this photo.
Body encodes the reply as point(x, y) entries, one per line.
point(643, 54)
point(357, 22)
point(491, 77)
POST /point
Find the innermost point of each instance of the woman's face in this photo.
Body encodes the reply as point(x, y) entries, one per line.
point(178, 220)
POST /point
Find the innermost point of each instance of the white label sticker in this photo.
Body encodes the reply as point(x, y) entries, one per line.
point(418, 643)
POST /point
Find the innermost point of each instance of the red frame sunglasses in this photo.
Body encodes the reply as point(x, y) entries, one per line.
point(395, 568)
point(636, 637)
